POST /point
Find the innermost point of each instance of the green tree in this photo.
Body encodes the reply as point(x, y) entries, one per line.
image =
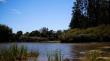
point(44, 32)
point(51, 33)
point(79, 15)
point(5, 33)
point(103, 12)
point(58, 33)
point(90, 13)
point(75, 16)
point(35, 33)
point(18, 35)
point(98, 12)
point(26, 34)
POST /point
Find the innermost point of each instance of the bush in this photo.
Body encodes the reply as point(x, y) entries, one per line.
point(5, 33)
point(93, 34)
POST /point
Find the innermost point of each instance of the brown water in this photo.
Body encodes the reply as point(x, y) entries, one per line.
point(68, 50)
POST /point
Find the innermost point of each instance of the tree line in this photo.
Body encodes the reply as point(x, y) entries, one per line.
point(44, 34)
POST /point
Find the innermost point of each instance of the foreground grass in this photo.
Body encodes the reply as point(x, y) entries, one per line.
point(55, 55)
point(15, 53)
point(95, 55)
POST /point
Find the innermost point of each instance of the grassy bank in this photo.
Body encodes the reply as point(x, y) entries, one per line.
point(93, 34)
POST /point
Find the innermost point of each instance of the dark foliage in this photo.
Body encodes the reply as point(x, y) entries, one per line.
point(94, 34)
point(90, 13)
point(5, 33)
point(18, 35)
point(34, 33)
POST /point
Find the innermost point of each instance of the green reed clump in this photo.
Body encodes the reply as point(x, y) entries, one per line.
point(95, 55)
point(14, 53)
point(54, 55)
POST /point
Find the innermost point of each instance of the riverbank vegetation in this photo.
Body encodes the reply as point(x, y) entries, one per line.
point(94, 34)
point(15, 53)
point(95, 55)
point(42, 35)
point(55, 55)
point(90, 22)
point(21, 53)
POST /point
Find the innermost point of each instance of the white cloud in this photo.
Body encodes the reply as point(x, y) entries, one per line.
point(15, 11)
point(2, 1)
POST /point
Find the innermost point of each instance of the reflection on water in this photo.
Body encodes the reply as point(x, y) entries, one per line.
point(70, 51)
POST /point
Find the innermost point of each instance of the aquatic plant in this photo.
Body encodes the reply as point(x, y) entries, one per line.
point(15, 53)
point(54, 55)
point(95, 55)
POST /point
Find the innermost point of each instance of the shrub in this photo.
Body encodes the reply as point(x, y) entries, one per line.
point(93, 34)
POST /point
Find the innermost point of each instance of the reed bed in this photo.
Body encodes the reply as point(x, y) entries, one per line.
point(55, 55)
point(15, 53)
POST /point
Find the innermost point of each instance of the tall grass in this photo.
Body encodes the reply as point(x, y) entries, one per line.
point(95, 55)
point(94, 34)
point(15, 53)
point(55, 55)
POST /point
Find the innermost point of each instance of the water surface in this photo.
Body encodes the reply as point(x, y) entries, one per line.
point(68, 50)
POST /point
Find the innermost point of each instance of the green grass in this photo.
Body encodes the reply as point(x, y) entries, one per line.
point(54, 55)
point(91, 33)
point(15, 53)
point(95, 55)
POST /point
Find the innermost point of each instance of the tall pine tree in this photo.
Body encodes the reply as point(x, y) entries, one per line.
point(90, 13)
point(75, 16)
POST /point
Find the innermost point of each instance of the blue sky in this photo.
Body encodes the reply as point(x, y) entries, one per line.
point(29, 15)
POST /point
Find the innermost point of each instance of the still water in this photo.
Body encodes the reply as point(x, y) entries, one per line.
point(68, 50)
